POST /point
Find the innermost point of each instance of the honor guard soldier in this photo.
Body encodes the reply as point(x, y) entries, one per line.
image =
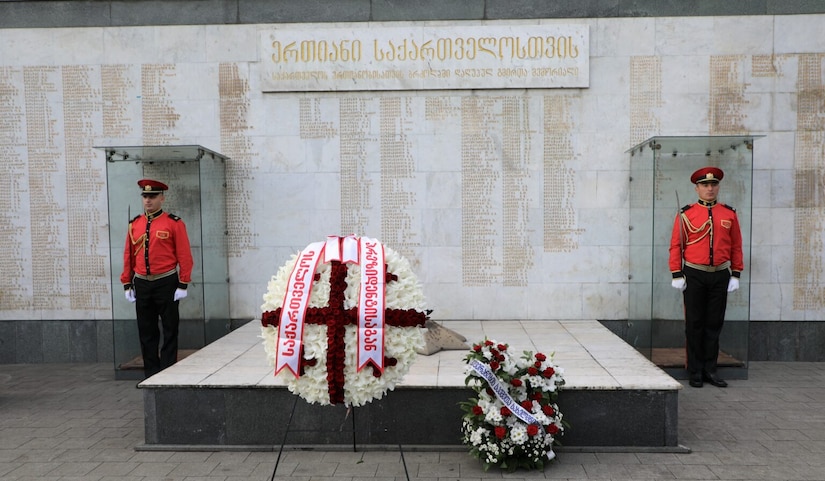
point(705, 262)
point(157, 268)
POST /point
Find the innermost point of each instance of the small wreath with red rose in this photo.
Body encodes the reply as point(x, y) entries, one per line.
point(513, 421)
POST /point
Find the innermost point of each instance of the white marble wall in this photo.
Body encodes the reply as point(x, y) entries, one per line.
point(558, 203)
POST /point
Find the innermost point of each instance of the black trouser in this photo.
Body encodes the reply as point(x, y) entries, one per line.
point(706, 298)
point(155, 300)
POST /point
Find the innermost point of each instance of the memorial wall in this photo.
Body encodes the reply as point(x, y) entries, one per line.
point(491, 154)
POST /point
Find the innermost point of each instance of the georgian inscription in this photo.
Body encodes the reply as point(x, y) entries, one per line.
point(421, 58)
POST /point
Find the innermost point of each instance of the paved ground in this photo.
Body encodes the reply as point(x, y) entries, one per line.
point(74, 422)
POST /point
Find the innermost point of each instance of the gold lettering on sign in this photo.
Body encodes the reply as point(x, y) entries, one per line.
point(727, 95)
point(480, 193)
point(414, 58)
point(809, 193)
point(15, 291)
point(560, 231)
point(398, 224)
point(645, 97)
point(463, 48)
point(515, 151)
point(87, 258)
point(159, 115)
point(313, 51)
point(118, 90)
point(42, 88)
point(356, 184)
point(237, 145)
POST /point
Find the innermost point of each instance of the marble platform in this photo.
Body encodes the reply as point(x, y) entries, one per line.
point(226, 397)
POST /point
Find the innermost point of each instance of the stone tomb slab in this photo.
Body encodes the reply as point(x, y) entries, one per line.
point(226, 397)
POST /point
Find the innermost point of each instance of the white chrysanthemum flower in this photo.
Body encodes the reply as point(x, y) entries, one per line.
point(477, 436)
point(493, 417)
point(518, 433)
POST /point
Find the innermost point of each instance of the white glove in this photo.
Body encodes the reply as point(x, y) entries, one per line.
point(679, 283)
point(130, 295)
point(179, 294)
point(733, 284)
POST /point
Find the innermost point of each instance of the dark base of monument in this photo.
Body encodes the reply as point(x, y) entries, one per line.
point(189, 418)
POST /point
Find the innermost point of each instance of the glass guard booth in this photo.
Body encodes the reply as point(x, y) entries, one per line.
point(660, 170)
point(196, 177)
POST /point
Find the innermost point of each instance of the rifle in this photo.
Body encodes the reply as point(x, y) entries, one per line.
point(681, 229)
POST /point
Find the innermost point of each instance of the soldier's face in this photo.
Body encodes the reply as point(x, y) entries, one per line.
point(152, 202)
point(707, 191)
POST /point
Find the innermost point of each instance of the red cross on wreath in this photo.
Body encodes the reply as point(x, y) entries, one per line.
point(336, 318)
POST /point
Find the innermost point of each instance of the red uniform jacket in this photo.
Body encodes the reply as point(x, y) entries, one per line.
point(157, 247)
point(705, 242)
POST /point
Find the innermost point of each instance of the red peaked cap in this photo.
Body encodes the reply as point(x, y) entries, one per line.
point(707, 174)
point(149, 186)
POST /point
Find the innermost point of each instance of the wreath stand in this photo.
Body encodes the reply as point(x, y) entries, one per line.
point(354, 449)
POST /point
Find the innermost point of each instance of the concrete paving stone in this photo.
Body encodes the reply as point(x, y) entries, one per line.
point(189, 456)
point(9, 455)
point(385, 478)
point(153, 469)
point(460, 456)
point(769, 427)
point(7, 467)
point(262, 471)
point(477, 471)
point(690, 472)
point(207, 478)
point(36, 444)
point(231, 457)
point(32, 469)
point(649, 471)
point(153, 457)
point(396, 469)
point(112, 454)
point(37, 478)
point(438, 470)
point(743, 459)
point(564, 471)
point(195, 469)
point(284, 468)
point(383, 456)
point(706, 458)
point(752, 473)
point(522, 474)
point(113, 469)
point(609, 471)
point(660, 458)
point(347, 456)
point(74, 469)
point(76, 455)
point(355, 469)
point(617, 458)
point(36, 455)
point(576, 458)
point(808, 473)
point(314, 470)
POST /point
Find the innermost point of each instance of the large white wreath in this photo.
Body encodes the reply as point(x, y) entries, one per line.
point(403, 292)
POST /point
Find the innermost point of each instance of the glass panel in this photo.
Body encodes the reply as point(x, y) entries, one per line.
point(641, 249)
point(196, 179)
point(660, 186)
